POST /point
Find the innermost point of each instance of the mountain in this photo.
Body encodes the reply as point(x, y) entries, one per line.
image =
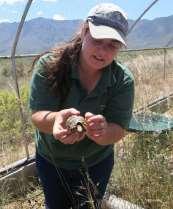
point(152, 33)
point(37, 35)
point(40, 34)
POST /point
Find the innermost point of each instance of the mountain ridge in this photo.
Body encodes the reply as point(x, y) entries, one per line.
point(41, 34)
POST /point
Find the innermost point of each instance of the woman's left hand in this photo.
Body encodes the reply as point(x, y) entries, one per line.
point(96, 127)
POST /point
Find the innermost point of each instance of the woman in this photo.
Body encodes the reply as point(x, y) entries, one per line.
point(81, 78)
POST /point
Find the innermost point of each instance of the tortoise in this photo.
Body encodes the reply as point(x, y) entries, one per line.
point(76, 123)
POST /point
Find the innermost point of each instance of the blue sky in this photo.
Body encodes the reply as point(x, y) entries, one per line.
point(11, 10)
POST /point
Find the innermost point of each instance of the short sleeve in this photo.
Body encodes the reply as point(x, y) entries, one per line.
point(40, 96)
point(120, 104)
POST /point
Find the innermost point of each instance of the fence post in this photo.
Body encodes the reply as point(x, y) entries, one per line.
point(164, 63)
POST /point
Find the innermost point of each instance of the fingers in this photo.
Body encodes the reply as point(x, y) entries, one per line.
point(95, 133)
point(95, 118)
point(68, 137)
point(60, 132)
point(96, 122)
point(96, 125)
point(88, 115)
point(62, 115)
point(60, 119)
point(68, 112)
point(80, 136)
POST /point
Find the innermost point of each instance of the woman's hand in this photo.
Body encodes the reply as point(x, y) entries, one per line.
point(96, 127)
point(102, 132)
point(60, 131)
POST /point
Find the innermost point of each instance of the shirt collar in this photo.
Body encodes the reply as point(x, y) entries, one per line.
point(108, 75)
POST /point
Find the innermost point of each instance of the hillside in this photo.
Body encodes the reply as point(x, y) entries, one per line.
point(152, 33)
point(41, 34)
point(37, 35)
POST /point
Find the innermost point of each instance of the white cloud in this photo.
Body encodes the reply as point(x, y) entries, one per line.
point(10, 1)
point(58, 17)
point(4, 20)
point(40, 13)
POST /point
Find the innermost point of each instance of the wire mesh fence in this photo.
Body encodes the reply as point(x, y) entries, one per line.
point(139, 163)
point(152, 69)
point(12, 142)
point(153, 72)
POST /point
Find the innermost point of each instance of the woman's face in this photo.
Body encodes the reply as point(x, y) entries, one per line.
point(98, 53)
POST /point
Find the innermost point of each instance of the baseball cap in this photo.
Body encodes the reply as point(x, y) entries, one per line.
point(107, 20)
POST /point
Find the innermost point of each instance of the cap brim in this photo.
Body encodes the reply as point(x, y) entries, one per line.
point(105, 32)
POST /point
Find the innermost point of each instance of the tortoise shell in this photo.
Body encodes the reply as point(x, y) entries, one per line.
point(76, 123)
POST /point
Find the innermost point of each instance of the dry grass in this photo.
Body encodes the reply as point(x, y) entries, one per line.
point(30, 199)
point(10, 154)
point(142, 174)
point(169, 113)
point(150, 79)
point(136, 179)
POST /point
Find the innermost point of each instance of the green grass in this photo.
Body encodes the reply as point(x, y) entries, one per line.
point(11, 138)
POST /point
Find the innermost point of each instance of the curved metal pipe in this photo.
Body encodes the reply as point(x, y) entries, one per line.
point(139, 18)
point(14, 74)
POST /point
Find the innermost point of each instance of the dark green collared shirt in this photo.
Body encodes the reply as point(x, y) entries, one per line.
point(113, 97)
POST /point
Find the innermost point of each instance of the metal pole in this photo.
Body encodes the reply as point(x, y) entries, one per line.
point(14, 74)
point(164, 64)
point(146, 10)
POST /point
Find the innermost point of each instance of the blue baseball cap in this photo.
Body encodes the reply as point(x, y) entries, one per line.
point(108, 21)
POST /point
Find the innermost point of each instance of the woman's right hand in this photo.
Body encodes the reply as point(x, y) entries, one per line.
point(60, 131)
